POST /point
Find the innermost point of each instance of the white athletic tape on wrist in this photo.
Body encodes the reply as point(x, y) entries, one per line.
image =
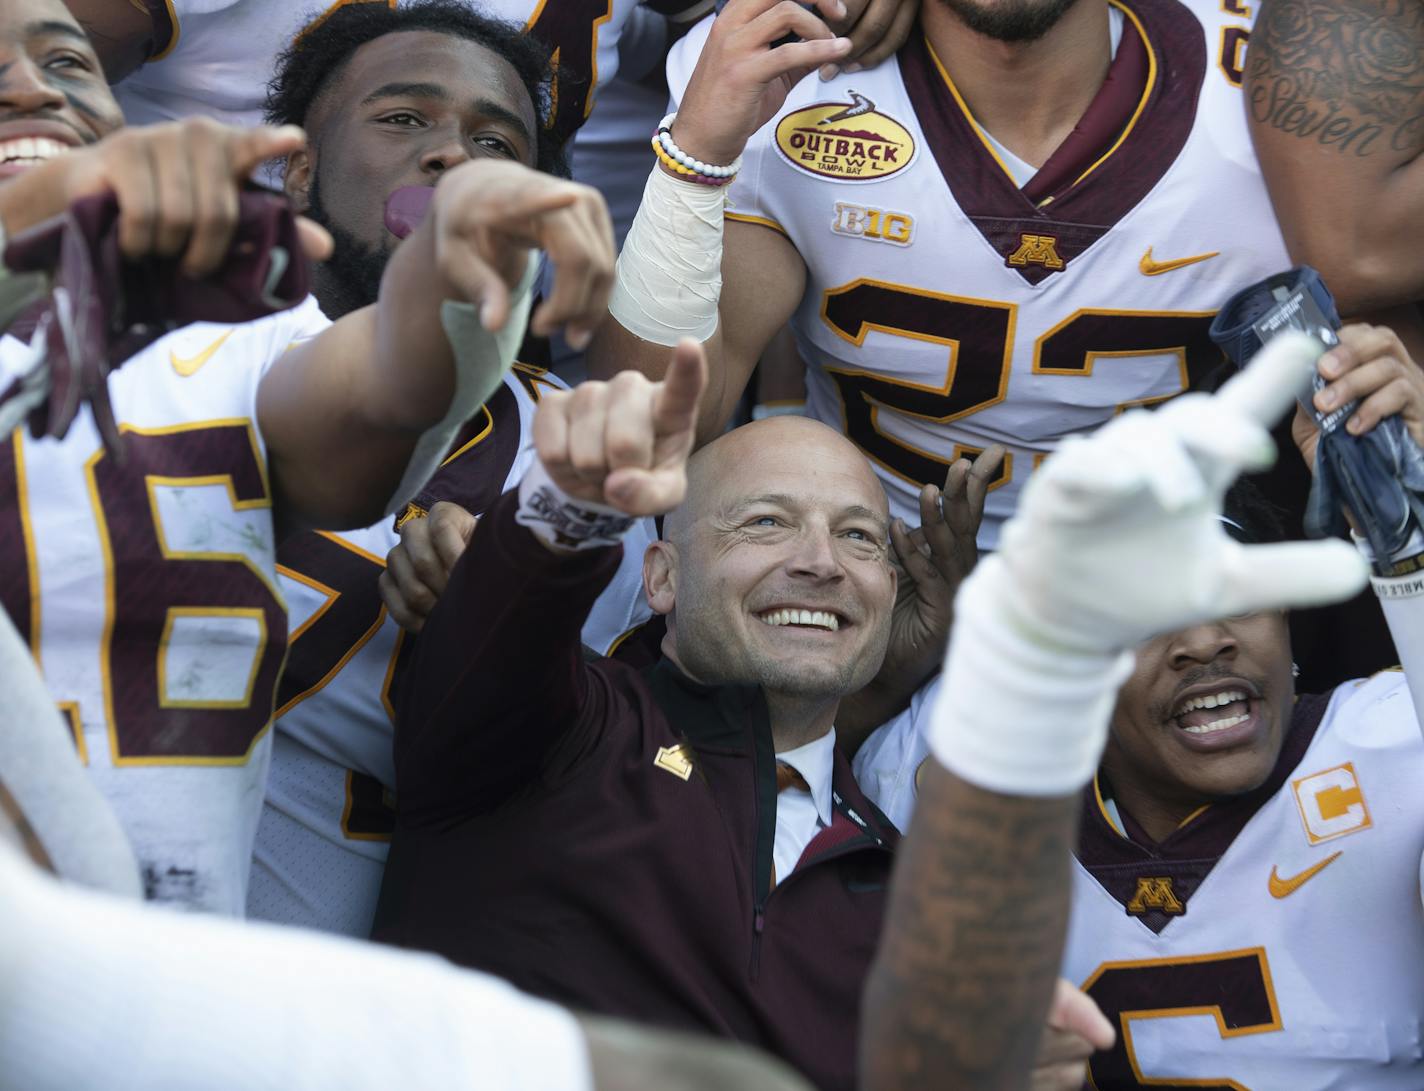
point(1014, 714)
point(564, 521)
point(670, 270)
point(481, 359)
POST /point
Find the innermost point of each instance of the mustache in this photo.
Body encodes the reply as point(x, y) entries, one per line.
point(1210, 672)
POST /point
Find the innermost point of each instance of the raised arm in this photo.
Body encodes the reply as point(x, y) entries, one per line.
point(1335, 95)
point(675, 276)
point(762, 278)
point(143, 168)
point(1117, 537)
point(496, 679)
point(356, 418)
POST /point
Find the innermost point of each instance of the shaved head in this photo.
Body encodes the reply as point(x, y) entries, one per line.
point(775, 571)
point(774, 438)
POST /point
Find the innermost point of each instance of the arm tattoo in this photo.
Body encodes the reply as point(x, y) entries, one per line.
point(1343, 74)
point(973, 942)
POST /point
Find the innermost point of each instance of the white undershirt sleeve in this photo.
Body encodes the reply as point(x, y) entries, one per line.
point(97, 993)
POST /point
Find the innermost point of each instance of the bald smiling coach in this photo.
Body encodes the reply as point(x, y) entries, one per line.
point(684, 845)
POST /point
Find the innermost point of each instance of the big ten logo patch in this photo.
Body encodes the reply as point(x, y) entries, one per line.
point(847, 141)
point(873, 224)
point(1036, 250)
point(1331, 803)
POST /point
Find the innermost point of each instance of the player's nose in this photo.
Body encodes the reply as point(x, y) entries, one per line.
point(1201, 644)
point(445, 155)
point(24, 89)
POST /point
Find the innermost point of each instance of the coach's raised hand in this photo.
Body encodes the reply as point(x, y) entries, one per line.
point(742, 77)
point(624, 443)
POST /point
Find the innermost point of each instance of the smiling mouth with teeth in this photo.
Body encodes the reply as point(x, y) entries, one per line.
point(1213, 712)
point(29, 150)
point(809, 619)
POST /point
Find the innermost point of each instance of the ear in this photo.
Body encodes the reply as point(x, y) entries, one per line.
point(296, 182)
point(660, 576)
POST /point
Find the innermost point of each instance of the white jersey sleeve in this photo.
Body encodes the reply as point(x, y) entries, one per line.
point(191, 1004)
point(145, 587)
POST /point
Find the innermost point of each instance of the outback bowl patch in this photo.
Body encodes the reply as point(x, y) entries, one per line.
point(847, 141)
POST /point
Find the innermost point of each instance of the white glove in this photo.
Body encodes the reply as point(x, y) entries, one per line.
point(1117, 538)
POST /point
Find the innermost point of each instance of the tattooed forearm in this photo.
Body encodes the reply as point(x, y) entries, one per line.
point(1345, 74)
point(973, 942)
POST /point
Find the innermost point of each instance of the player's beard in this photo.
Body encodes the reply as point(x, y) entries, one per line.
point(351, 278)
point(1010, 20)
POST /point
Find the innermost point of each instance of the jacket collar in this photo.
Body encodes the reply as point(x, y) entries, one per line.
point(710, 715)
point(736, 718)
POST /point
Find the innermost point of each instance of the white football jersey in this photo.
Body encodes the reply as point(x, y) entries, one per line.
point(1277, 940)
point(146, 586)
point(946, 309)
point(1274, 941)
point(325, 831)
point(220, 57)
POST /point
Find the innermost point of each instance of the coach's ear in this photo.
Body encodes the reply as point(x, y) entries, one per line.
point(660, 576)
point(296, 182)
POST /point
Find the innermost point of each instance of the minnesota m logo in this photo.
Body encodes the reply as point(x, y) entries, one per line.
point(1155, 893)
point(1037, 250)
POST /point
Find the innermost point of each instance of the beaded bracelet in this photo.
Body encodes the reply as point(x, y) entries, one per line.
point(675, 159)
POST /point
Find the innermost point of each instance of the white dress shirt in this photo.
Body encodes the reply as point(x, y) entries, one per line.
point(800, 815)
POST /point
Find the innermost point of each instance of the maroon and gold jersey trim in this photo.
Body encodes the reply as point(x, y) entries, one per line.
point(1128, 139)
point(1119, 857)
point(166, 27)
point(759, 221)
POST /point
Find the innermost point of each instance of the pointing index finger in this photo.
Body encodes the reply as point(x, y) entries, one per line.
point(675, 403)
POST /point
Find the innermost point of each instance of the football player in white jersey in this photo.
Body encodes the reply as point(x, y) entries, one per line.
point(322, 842)
point(176, 58)
point(1018, 227)
point(146, 585)
point(1246, 901)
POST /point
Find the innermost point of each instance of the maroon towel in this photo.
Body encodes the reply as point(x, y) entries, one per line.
point(101, 309)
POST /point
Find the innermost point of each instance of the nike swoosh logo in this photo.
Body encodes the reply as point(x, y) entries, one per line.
point(1283, 888)
point(1152, 268)
point(190, 365)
